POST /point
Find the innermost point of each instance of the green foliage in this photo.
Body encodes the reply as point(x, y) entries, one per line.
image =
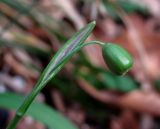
point(65, 53)
point(27, 47)
point(47, 22)
point(92, 78)
point(55, 65)
point(118, 83)
point(157, 84)
point(107, 80)
point(98, 77)
point(127, 5)
point(130, 6)
point(39, 111)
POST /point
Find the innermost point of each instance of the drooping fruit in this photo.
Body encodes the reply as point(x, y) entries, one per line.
point(117, 58)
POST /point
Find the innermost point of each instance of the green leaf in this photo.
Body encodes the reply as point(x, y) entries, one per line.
point(118, 83)
point(157, 84)
point(29, 48)
point(65, 53)
point(39, 111)
point(55, 65)
point(131, 6)
point(126, 83)
point(91, 78)
point(109, 80)
point(38, 16)
point(127, 5)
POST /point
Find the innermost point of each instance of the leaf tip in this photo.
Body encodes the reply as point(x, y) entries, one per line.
point(93, 22)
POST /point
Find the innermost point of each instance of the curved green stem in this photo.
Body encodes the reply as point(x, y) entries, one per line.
point(93, 42)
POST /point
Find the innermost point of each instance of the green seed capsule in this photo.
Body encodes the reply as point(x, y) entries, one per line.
point(117, 58)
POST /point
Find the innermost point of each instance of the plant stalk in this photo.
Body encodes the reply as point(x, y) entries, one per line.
point(38, 87)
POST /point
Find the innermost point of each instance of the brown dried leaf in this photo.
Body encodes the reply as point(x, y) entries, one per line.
point(144, 102)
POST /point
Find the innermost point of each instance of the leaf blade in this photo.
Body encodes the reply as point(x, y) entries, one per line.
point(38, 111)
point(76, 40)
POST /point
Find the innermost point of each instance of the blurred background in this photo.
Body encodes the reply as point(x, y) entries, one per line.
point(84, 95)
